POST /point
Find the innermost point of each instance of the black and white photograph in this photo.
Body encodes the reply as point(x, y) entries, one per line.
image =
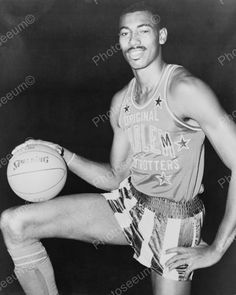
point(118, 147)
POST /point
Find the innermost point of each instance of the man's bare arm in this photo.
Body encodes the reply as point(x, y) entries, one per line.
point(200, 104)
point(191, 98)
point(106, 176)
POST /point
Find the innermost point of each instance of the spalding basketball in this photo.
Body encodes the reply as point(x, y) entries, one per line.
point(36, 173)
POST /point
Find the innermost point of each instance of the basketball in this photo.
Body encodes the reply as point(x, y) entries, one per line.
point(36, 173)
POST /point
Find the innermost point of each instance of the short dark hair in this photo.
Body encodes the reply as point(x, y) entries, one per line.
point(143, 6)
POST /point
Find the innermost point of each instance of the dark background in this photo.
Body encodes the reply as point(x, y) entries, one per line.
point(70, 90)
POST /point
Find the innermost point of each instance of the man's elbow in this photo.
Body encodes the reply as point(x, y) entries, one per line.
point(107, 182)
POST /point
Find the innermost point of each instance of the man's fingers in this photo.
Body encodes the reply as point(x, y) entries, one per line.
point(187, 273)
point(19, 147)
point(178, 250)
point(37, 141)
point(23, 145)
point(178, 264)
point(31, 142)
point(175, 258)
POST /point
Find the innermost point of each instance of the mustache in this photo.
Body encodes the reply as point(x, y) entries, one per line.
point(137, 47)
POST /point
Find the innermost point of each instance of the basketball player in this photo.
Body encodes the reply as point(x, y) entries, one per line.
point(159, 120)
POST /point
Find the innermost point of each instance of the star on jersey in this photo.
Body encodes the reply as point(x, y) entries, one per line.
point(163, 178)
point(159, 102)
point(182, 143)
point(126, 108)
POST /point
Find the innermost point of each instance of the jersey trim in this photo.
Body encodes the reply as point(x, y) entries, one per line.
point(172, 68)
point(122, 103)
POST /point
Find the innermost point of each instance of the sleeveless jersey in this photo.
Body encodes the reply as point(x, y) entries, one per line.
point(167, 153)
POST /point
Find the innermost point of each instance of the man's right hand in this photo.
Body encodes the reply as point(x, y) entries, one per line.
point(52, 145)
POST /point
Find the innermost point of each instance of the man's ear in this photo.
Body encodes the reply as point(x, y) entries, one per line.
point(163, 36)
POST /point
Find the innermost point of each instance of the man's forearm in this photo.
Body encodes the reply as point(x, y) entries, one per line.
point(226, 232)
point(100, 175)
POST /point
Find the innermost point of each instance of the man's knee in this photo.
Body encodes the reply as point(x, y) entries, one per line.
point(12, 225)
point(5, 219)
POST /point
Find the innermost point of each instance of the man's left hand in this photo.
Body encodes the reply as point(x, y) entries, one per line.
point(194, 257)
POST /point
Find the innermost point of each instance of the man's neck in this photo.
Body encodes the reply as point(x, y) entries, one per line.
point(148, 77)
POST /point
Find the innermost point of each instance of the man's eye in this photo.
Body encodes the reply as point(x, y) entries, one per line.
point(144, 31)
point(123, 34)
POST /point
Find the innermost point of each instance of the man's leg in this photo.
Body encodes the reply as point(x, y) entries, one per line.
point(84, 217)
point(162, 286)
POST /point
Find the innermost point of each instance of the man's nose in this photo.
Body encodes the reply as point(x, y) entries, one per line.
point(134, 39)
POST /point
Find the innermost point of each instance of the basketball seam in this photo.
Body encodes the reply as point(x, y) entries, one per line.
point(41, 170)
point(43, 190)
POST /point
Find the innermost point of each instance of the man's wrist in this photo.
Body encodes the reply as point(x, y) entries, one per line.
point(216, 248)
point(71, 160)
point(67, 156)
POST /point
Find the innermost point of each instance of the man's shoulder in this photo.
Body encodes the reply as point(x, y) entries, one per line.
point(189, 96)
point(184, 81)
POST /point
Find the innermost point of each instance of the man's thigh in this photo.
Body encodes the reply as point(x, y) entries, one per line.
point(163, 286)
point(84, 217)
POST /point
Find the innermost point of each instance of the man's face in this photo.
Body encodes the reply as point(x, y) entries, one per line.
point(139, 39)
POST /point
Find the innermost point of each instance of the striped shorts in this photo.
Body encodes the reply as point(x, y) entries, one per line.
point(152, 225)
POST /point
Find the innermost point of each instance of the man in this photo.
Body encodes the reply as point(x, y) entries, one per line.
point(154, 177)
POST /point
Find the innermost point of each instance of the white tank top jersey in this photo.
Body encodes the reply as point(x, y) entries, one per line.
point(167, 153)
